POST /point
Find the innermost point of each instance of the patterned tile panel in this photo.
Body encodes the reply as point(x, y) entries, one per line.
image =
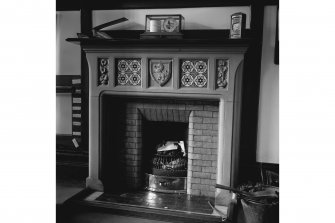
point(128, 72)
point(222, 73)
point(194, 73)
point(103, 71)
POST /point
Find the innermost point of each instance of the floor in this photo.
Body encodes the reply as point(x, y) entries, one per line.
point(66, 188)
point(108, 218)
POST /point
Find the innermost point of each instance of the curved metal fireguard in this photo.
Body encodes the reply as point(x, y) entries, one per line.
point(165, 184)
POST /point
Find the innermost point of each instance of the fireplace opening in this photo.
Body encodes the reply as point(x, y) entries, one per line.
point(165, 156)
point(135, 132)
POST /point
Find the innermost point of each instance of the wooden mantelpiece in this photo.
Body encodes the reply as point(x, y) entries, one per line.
point(206, 56)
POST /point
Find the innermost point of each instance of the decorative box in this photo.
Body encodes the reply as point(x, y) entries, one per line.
point(163, 26)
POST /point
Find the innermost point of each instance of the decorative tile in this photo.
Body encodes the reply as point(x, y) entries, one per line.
point(194, 73)
point(200, 80)
point(187, 80)
point(135, 79)
point(222, 73)
point(128, 71)
point(103, 71)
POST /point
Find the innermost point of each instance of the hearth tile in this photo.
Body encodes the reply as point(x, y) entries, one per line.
point(180, 202)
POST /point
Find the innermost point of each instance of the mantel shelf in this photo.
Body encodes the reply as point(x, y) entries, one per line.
point(191, 38)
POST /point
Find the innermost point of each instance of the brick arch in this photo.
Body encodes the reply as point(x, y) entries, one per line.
point(165, 115)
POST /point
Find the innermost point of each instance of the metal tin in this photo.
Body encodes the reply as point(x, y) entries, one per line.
point(238, 25)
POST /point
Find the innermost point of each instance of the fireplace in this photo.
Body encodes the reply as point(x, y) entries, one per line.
point(143, 98)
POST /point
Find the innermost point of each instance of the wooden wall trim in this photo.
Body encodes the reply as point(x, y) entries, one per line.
point(73, 5)
point(85, 27)
point(251, 86)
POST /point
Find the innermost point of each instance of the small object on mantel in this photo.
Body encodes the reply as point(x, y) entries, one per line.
point(238, 25)
point(99, 33)
point(163, 27)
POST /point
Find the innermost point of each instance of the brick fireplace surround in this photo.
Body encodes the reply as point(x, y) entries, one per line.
point(202, 120)
point(206, 95)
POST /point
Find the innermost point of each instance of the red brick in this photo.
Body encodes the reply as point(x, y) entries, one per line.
point(215, 127)
point(214, 151)
point(208, 114)
point(132, 151)
point(205, 181)
point(132, 116)
point(210, 120)
point(130, 157)
point(195, 107)
point(131, 128)
point(195, 180)
point(176, 115)
point(132, 162)
point(131, 134)
point(170, 115)
point(130, 145)
point(203, 126)
point(209, 132)
point(197, 149)
point(201, 187)
point(164, 115)
point(131, 139)
point(205, 151)
point(210, 145)
point(206, 138)
point(194, 156)
point(213, 176)
point(196, 168)
point(196, 119)
point(197, 144)
point(209, 157)
point(153, 115)
point(211, 108)
point(197, 132)
point(201, 175)
point(202, 163)
point(208, 169)
point(181, 107)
